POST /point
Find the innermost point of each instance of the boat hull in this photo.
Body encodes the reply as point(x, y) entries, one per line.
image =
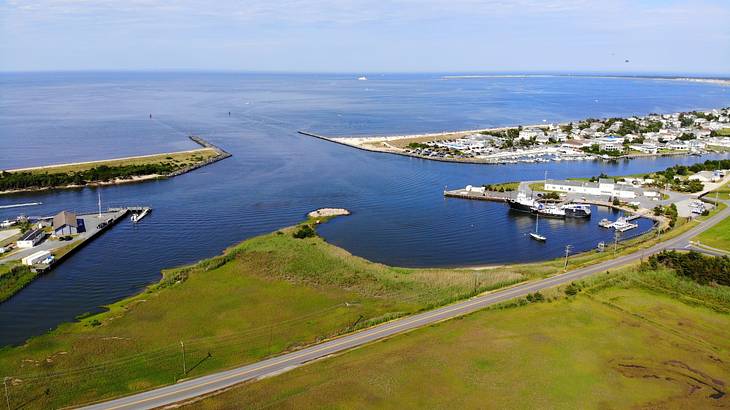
point(517, 206)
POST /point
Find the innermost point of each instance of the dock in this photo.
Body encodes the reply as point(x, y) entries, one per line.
point(95, 223)
point(477, 195)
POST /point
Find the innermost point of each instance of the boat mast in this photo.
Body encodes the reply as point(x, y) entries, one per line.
point(98, 192)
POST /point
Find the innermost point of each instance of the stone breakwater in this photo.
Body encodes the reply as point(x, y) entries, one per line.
point(222, 154)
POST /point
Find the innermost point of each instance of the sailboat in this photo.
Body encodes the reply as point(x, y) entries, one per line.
point(536, 236)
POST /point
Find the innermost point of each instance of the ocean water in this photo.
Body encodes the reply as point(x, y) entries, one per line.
point(276, 175)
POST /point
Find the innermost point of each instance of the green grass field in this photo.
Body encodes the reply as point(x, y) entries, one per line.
point(723, 192)
point(717, 237)
point(725, 132)
point(267, 295)
point(623, 342)
point(183, 157)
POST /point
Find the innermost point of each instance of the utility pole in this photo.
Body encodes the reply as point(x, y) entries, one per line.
point(185, 367)
point(568, 248)
point(7, 396)
point(616, 237)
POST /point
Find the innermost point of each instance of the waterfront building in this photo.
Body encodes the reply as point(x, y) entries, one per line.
point(65, 223)
point(604, 187)
point(31, 238)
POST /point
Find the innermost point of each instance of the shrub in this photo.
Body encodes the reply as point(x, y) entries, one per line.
point(304, 231)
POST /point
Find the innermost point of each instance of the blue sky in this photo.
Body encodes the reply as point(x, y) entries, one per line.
point(367, 36)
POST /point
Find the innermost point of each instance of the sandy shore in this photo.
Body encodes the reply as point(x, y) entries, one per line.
point(324, 212)
point(102, 161)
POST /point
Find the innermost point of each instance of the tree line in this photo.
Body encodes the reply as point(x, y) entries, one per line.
point(102, 173)
point(700, 268)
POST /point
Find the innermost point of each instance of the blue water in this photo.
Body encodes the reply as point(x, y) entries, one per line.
point(276, 175)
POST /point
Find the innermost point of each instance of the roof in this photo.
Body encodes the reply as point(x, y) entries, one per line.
point(569, 183)
point(606, 181)
point(64, 218)
point(30, 235)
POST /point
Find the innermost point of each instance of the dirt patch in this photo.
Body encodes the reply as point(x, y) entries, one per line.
point(694, 382)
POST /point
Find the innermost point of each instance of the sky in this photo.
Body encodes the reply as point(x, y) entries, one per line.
point(460, 36)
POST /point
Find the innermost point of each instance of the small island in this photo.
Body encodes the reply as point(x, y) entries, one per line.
point(111, 171)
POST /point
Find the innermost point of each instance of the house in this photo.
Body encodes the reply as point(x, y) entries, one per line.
point(705, 176)
point(65, 223)
point(31, 238)
point(645, 148)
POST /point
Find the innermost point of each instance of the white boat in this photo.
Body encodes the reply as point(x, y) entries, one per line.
point(536, 236)
point(137, 217)
point(576, 210)
point(622, 225)
point(363, 78)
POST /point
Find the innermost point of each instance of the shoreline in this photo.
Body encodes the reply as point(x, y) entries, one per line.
point(382, 143)
point(709, 80)
point(220, 155)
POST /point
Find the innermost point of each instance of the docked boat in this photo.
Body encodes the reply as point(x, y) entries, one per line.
point(577, 210)
point(605, 223)
point(549, 210)
point(523, 203)
point(623, 225)
point(136, 217)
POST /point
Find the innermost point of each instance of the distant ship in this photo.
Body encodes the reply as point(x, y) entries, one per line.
point(363, 78)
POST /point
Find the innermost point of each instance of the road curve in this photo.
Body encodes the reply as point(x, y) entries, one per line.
point(190, 389)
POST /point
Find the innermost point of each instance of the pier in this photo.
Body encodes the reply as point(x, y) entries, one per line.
point(479, 195)
point(94, 223)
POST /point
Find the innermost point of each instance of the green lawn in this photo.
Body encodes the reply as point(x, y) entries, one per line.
point(717, 237)
point(267, 295)
point(621, 343)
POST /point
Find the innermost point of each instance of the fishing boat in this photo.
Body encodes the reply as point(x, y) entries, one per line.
point(574, 210)
point(549, 210)
point(536, 236)
point(136, 217)
point(522, 203)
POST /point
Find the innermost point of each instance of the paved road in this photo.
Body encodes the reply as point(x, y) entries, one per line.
point(204, 385)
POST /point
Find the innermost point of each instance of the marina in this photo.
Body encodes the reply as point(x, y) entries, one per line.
point(55, 245)
point(276, 176)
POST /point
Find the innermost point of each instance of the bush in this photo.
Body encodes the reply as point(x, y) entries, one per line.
point(572, 289)
point(304, 231)
point(702, 269)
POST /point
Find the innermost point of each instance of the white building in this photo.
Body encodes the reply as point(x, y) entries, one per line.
point(31, 238)
point(604, 187)
point(706, 176)
point(38, 257)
